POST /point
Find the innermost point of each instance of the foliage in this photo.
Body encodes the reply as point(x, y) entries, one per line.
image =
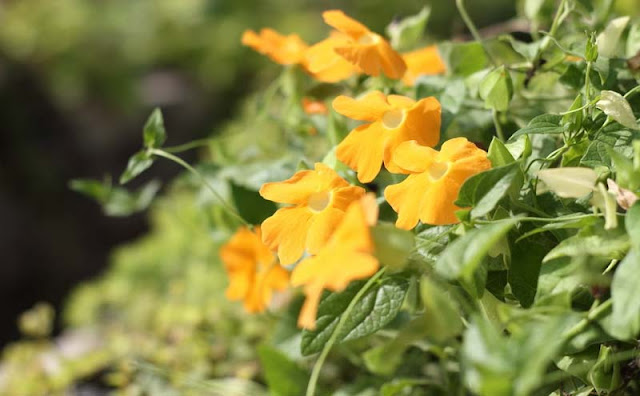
point(532, 289)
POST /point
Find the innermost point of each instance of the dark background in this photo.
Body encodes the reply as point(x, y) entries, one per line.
point(78, 79)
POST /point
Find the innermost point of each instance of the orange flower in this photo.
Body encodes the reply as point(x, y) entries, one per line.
point(393, 120)
point(324, 63)
point(347, 256)
point(319, 198)
point(253, 270)
point(425, 61)
point(311, 106)
point(285, 50)
point(429, 192)
point(363, 48)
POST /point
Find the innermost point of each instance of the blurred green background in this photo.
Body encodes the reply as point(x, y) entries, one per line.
point(79, 77)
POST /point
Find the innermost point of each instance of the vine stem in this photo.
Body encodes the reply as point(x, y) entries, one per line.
point(181, 162)
point(472, 28)
point(315, 374)
point(561, 14)
point(187, 146)
point(593, 314)
point(496, 122)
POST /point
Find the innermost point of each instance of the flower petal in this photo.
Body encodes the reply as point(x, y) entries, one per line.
point(406, 199)
point(437, 207)
point(324, 64)
point(322, 226)
point(411, 157)
point(338, 20)
point(286, 232)
point(374, 59)
point(370, 107)
point(362, 150)
point(425, 61)
point(296, 190)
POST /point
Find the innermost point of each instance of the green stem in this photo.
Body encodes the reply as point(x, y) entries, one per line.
point(472, 28)
point(311, 387)
point(561, 14)
point(230, 209)
point(496, 122)
point(187, 146)
point(546, 219)
point(593, 314)
point(587, 87)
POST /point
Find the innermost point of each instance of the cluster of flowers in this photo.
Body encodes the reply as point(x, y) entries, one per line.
point(324, 231)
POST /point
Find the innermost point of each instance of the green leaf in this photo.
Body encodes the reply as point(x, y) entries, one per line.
point(283, 376)
point(616, 106)
point(120, 202)
point(497, 89)
point(154, 134)
point(96, 189)
point(546, 124)
point(463, 59)
point(604, 375)
point(520, 147)
point(498, 153)
point(525, 270)
point(379, 306)
point(484, 190)
point(117, 201)
point(609, 40)
point(251, 206)
point(462, 257)
point(514, 366)
point(596, 242)
point(632, 225)
point(430, 243)
point(442, 315)
point(393, 245)
point(408, 32)
point(625, 316)
point(612, 137)
point(137, 164)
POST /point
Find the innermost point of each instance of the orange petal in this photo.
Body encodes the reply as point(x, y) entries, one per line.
point(286, 232)
point(296, 190)
point(353, 231)
point(425, 61)
point(406, 199)
point(338, 20)
point(363, 149)
point(437, 207)
point(370, 207)
point(307, 316)
point(324, 64)
point(411, 157)
point(375, 58)
point(345, 196)
point(322, 226)
point(400, 101)
point(370, 107)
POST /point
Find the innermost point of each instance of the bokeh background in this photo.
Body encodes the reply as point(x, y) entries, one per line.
point(78, 79)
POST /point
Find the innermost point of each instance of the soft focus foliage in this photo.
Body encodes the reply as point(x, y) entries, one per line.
point(495, 251)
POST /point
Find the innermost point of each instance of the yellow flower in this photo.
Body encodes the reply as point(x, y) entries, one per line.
point(285, 50)
point(364, 48)
point(253, 270)
point(323, 62)
point(347, 256)
point(429, 192)
point(319, 199)
point(425, 61)
point(393, 119)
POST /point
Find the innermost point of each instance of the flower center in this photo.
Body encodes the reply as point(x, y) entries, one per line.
point(368, 39)
point(319, 201)
point(438, 169)
point(393, 118)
